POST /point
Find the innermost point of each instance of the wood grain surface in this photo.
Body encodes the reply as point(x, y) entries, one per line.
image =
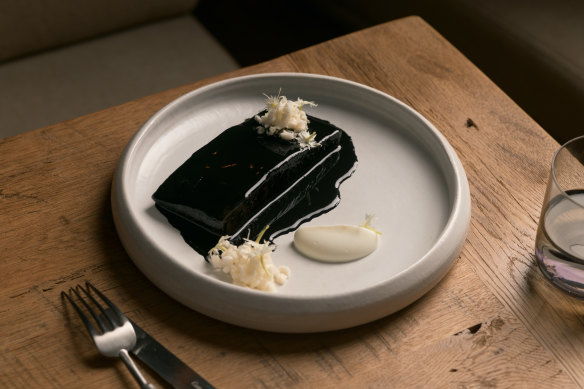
point(492, 322)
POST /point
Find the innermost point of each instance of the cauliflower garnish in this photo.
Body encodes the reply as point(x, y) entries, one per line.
point(249, 264)
point(287, 119)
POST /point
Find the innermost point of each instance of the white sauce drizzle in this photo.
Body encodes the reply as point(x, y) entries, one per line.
point(276, 167)
point(336, 150)
point(324, 209)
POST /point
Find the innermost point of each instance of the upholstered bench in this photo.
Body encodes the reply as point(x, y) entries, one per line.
point(61, 59)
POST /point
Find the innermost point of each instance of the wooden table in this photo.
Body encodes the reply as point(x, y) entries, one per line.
point(492, 322)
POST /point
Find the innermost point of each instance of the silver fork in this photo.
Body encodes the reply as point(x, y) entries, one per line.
point(116, 334)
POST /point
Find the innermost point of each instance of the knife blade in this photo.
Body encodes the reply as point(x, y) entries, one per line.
point(166, 364)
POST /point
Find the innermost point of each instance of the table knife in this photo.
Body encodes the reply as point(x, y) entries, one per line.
point(166, 364)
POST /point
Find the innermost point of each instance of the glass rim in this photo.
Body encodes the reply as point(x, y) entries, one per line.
point(553, 169)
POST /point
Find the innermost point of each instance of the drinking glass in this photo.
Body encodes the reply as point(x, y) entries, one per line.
point(559, 244)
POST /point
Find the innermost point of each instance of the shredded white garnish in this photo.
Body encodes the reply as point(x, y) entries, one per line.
point(287, 119)
point(249, 264)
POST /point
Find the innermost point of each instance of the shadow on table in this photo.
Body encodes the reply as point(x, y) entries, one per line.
point(550, 308)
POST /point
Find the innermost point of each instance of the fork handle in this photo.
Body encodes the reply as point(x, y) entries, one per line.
point(125, 356)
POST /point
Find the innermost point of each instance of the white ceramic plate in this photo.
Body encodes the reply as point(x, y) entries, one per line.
point(408, 176)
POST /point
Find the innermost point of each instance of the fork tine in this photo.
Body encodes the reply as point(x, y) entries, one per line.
point(103, 325)
point(120, 317)
point(88, 325)
point(105, 320)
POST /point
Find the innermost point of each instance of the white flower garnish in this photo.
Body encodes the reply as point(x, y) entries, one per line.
point(249, 264)
point(287, 119)
point(307, 140)
point(368, 222)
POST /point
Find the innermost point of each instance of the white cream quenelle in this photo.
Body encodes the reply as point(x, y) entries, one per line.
point(337, 243)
